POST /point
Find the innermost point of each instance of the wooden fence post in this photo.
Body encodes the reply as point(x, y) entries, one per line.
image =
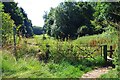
point(14, 37)
point(105, 52)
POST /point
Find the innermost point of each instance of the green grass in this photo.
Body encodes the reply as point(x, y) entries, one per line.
point(30, 67)
point(64, 59)
point(0, 64)
point(24, 67)
point(109, 38)
point(60, 50)
point(104, 38)
point(111, 74)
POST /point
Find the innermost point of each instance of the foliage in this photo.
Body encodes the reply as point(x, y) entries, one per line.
point(114, 12)
point(14, 11)
point(61, 64)
point(26, 67)
point(1, 7)
point(30, 67)
point(106, 13)
point(37, 30)
point(7, 28)
point(66, 59)
point(1, 10)
point(66, 18)
point(69, 50)
point(101, 10)
point(20, 18)
point(26, 28)
point(23, 49)
point(77, 18)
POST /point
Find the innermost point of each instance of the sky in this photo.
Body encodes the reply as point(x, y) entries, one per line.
point(35, 9)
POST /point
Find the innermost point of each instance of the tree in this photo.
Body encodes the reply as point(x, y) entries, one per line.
point(24, 25)
point(38, 30)
point(106, 14)
point(14, 11)
point(101, 14)
point(114, 12)
point(49, 20)
point(67, 17)
point(7, 27)
point(26, 28)
point(1, 10)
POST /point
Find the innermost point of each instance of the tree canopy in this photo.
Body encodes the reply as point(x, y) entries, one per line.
point(68, 17)
point(14, 11)
point(20, 18)
point(80, 18)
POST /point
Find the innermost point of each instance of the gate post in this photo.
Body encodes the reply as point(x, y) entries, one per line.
point(111, 51)
point(105, 52)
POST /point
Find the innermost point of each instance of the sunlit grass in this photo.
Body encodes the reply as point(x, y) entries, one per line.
point(64, 59)
point(30, 67)
point(111, 74)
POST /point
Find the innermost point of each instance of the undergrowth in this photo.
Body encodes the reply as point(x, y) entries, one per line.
point(65, 57)
point(30, 67)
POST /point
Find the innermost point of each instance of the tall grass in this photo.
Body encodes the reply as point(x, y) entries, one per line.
point(65, 58)
point(30, 67)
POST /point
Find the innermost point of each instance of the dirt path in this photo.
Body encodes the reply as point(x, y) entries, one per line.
point(96, 73)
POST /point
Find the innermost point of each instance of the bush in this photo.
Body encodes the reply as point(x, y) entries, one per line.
point(7, 29)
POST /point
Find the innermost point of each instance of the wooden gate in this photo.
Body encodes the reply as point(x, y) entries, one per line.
point(103, 51)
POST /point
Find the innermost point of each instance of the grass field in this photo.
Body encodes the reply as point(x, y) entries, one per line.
point(62, 63)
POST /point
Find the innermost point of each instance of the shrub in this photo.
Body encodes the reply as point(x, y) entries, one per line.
point(7, 28)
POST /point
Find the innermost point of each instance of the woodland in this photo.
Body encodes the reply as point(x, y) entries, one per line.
point(70, 44)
